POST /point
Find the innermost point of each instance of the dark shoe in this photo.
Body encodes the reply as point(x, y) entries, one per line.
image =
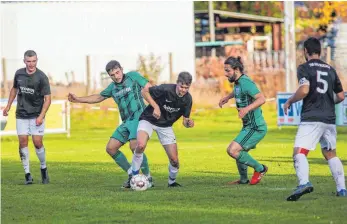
point(28, 179)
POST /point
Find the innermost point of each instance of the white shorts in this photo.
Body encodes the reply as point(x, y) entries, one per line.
point(28, 127)
point(310, 133)
point(166, 135)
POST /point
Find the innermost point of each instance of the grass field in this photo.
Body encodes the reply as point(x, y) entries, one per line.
point(85, 181)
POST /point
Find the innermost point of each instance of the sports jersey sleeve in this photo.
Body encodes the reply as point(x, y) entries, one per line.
point(188, 108)
point(157, 91)
point(45, 87)
point(15, 84)
point(251, 88)
point(142, 81)
point(108, 91)
point(337, 84)
point(303, 76)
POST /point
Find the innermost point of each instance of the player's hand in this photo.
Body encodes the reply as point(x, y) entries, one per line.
point(39, 120)
point(156, 112)
point(286, 106)
point(223, 101)
point(243, 112)
point(73, 98)
point(190, 123)
point(5, 111)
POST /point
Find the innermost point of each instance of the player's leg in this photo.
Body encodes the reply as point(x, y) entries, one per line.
point(144, 132)
point(328, 145)
point(238, 149)
point(37, 138)
point(306, 139)
point(132, 128)
point(168, 140)
point(22, 126)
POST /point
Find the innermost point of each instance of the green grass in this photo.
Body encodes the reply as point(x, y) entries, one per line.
point(85, 182)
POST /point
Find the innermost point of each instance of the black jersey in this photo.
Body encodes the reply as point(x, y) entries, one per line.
point(319, 104)
point(172, 106)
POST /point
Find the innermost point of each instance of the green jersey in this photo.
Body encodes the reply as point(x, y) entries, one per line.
point(244, 93)
point(127, 95)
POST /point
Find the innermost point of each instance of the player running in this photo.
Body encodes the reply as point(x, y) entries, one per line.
point(248, 101)
point(318, 83)
point(126, 92)
point(168, 102)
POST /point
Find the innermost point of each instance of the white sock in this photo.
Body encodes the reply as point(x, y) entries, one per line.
point(136, 163)
point(301, 168)
point(24, 156)
point(130, 171)
point(336, 169)
point(42, 156)
point(173, 171)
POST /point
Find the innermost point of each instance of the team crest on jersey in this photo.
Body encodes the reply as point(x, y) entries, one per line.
point(237, 91)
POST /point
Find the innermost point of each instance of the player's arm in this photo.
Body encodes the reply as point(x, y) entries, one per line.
point(95, 98)
point(13, 94)
point(46, 105)
point(302, 91)
point(338, 90)
point(225, 99)
point(149, 93)
point(259, 100)
point(187, 122)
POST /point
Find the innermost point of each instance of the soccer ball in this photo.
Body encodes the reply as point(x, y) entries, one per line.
point(139, 182)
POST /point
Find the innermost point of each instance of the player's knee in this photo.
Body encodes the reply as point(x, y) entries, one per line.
point(233, 152)
point(328, 154)
point(23, 143)
point(140, 146)
point(111, 151)
point(38, 144)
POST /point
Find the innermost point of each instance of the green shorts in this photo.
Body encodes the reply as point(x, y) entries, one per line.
point(126, 131)
point(248, 138)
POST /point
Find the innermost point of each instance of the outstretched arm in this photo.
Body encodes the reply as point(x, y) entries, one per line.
point(96, 98)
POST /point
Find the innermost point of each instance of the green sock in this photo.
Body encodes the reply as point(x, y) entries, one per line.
point(242, 171)
point(248, 160)
point(144, 165)
point(121, 160)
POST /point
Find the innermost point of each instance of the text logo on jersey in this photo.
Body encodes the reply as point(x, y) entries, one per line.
point(170, 109)
point(27, 90)
point(123, 91)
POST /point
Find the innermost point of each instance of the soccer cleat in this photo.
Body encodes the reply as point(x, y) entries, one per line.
point(258, 175)
point(300, 191)
point(150, 182)
point(44, 175)
point(174, 184)
point(126, 184)
point(342, 193)
point(236, 182)
point(28, 179)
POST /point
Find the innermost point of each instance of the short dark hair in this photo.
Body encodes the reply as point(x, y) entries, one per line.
point(312, 46)
point(112, 65)
point(184, 78)
point(30, 53)
point(234, 63)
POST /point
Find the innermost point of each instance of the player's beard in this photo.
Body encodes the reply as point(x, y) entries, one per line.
point(232, 78)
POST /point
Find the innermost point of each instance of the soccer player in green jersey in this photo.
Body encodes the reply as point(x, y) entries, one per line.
point(126, 92)
point(248, 101)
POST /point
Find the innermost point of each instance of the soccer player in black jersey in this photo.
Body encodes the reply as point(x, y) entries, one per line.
point(320, 89)
point(168, 102)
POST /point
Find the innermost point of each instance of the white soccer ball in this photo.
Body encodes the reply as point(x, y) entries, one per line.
point(139, 182)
